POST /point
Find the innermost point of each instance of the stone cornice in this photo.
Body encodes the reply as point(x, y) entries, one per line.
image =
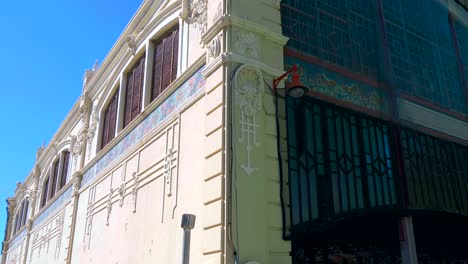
point(230, 20)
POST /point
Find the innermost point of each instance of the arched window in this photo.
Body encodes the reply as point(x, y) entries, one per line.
point(165, 59)
point(57, 177)
point(45, 191)
point(21, 215)
point(65, 158)
point(110, 120)
point(134, 91)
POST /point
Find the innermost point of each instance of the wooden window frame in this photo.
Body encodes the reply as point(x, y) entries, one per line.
point(45, 191)
point(110, 114)
point(65, 163)
point(134, 91)
point(165, 62)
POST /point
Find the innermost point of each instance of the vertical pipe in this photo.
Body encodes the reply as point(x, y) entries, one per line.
point(187, 223)
point(186, 247)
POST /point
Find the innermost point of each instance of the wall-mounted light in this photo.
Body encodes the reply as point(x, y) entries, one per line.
point(295, 89)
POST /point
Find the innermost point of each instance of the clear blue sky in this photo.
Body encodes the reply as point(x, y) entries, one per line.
point(45, 46)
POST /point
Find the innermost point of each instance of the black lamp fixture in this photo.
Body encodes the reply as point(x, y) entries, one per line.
point(294, 89)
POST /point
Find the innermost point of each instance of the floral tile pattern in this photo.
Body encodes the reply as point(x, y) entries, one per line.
point(193, 86)
point(335, 85)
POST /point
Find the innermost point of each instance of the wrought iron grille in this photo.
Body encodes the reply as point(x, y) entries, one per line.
point(339, 161)
point(436, 173)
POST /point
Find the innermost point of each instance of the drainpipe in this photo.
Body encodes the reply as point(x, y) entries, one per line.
point(187, 223)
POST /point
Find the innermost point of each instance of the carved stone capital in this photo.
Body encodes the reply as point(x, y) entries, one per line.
point(77, 177)
point(85, 108)
point(131, 43)
point(195, 13)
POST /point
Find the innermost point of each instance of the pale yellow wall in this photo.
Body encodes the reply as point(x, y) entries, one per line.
point(152, 231)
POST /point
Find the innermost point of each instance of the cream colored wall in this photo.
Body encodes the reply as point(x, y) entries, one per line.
point(148, 228)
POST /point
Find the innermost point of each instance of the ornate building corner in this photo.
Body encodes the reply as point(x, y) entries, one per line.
point(195, 13)
point(248, 81)
point(247, 44)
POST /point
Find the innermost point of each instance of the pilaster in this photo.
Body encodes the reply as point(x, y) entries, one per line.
point(76, 178)
point(11, 203)
point(256, 55)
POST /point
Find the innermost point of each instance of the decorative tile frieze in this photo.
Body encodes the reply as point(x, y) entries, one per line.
point(187, 91)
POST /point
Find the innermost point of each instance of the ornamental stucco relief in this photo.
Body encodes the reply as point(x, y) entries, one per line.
point(248, 81)
point(196, 11)
point(247, 43)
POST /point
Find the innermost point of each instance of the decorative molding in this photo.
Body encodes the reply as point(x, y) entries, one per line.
point(196, 14)
point(94, 119)
point(247, 25)
point(130, 40)
point(168, 167)
point(89, 217)
point(171, 172)
point(135, 190)
point(85, 110)
point(77, 178)
point(248, 81)
point(109, 204)
point(121, 192)
point(247, 43)
point(43, 235)
point(214, 48)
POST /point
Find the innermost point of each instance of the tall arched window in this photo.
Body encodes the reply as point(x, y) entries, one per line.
point(165, 59)
point(21, 215)
point(57, 177)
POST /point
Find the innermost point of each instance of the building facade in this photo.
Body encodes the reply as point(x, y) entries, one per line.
point(369, 166)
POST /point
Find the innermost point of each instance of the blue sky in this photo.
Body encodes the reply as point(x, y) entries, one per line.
point(45, 46)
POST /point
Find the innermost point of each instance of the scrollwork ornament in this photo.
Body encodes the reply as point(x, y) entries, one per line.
point(85, 108)
point(247, 43)
point(92, 129)
point(197, 14)
point(214, 48)
point(248, 82)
